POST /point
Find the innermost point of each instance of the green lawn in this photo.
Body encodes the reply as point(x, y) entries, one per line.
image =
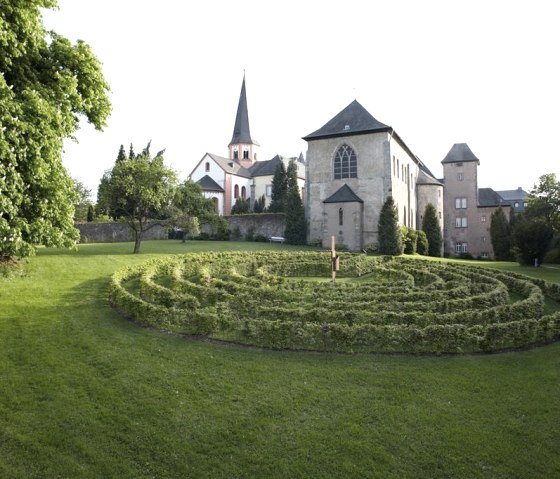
point(85, 393)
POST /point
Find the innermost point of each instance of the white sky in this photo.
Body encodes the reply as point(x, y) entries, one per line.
point(439, 72)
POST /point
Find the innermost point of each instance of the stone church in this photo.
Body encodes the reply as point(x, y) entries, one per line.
point(354, 163)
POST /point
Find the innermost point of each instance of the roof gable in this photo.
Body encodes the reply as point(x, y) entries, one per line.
point(460, 152)
point(353, 120)
point(208, 184)
point(344, 195)
point(230, 166)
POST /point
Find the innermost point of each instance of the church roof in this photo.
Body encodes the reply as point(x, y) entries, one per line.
point(208, 184)
point(344, 195)
point(460, 152)
point(264, 168)
point(488, 197)
point(353, 120)
point(230, 166)
point(425, 178)
point(241, 130)
point(512, 195)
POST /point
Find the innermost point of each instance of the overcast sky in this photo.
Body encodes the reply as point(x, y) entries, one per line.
point(439, 72)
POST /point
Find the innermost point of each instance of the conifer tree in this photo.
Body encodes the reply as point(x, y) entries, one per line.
point(500, 235)
point(279, 189)
point(122, 154)
point(389, 232)
point(295, 228)
point(431, 227)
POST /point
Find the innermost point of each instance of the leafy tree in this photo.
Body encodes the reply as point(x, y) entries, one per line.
point(46, 85)
point(544, 201)
point(139, 190)
point(82, 200)
point(295, 230)
point(389, 233)
point(430, 226)
point(190, 208)
point(422, 245)
point(532, 236)
point(410, 240)
point(242, 206)
point(279, 189)
point(500, 235)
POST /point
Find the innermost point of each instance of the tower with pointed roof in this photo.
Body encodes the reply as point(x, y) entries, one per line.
point(242, 147)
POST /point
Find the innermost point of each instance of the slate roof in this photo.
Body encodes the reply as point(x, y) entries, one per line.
point(241, 130)
point(512, 195)
point(488, 197)
point(460, 152)
point(230, 166)
point(208, 184)
point(353, 120)
point(425, 178)
point(344, 195)
point(264, 168)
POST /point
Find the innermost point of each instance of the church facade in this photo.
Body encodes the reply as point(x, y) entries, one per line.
point(354, 163)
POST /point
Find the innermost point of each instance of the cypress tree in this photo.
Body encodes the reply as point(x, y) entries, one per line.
point(295, 229)
point(279, 189)
point(389, 232)
point(431, 227)
point(500, 235)
point(122, 154)
point(422, 244)
point(90, 213)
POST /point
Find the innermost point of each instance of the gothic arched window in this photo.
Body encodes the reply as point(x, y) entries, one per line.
point(243, 192)
point(236, 191)
point(345, 163)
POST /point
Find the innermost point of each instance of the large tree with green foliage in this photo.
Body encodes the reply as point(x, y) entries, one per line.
point(544, 201)
point(46, 85)
point(431, 226)
point(140, 191)
point(279, 189)
point(389, 232)
point(295, 229)
point(82, 200)
point(190, 208)
point(500, 234)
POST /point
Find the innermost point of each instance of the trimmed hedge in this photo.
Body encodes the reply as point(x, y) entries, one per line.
point(379, 304)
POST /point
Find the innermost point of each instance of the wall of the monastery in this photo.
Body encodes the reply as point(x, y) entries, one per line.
point(115, 232)
point(216, 197)
point(404, 173)
point(349, 233)
point(426, 194)
point(372, 184)
point(267, 225)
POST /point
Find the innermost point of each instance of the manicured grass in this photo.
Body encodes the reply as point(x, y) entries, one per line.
point(85, 393)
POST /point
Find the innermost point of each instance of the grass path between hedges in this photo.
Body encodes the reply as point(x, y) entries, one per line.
point(85, 393)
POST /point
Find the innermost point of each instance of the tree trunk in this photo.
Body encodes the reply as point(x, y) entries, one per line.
point(137, 239)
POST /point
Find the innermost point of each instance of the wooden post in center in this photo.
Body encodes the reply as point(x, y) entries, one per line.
point(334, 260)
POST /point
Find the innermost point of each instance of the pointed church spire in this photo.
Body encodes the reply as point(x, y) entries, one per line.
point(241, 131)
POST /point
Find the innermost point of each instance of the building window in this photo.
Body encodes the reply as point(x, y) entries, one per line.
point(461, 222)
point(345, 163)
point(460, 177)
point(461, 248)
point(484, 255)
point(235, 155)
point(269, 190)
point(236, 191)
point(207, 166)
point(243, 192)
point(516, 204)
point(398, 168)
point(460, 203)
point(483, 239)
point(404, 215)
point(483, 219)
point(439, 214)
point(340, 217)
point(245, 154)
point(216, 205)
point(394, 166)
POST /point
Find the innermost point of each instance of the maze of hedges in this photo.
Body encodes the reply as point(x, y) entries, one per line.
point(378, 304)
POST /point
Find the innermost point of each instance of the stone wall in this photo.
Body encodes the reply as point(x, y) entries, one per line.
point(265, 224)
point(115, 232)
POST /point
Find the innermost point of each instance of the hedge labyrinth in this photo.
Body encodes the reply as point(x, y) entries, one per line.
point(378, 304)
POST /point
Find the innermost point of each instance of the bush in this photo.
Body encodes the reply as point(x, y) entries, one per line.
point(422, 243)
